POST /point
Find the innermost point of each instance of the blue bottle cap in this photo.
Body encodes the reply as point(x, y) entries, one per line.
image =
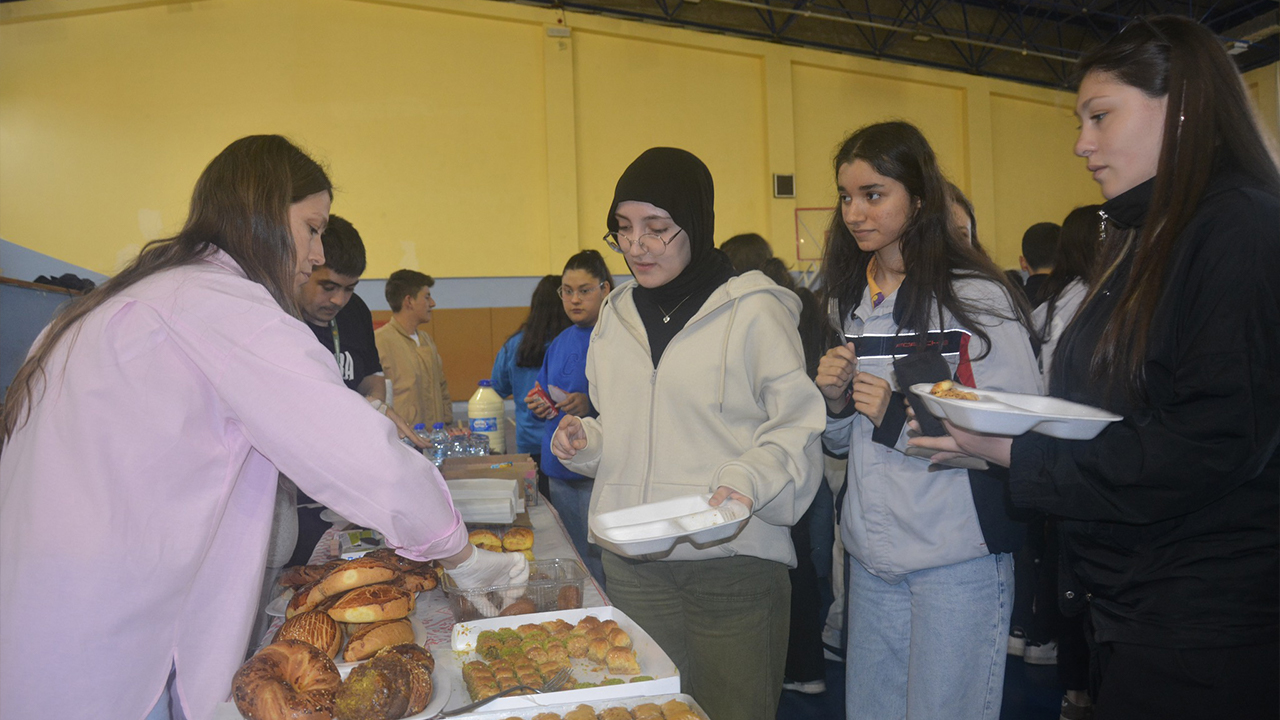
point(486, 383)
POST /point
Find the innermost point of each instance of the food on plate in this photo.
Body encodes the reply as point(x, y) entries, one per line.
point(371, 603)
point(370, 638)
point(313, 627)
point(306, 598)
point(619, 638)
point(641, 678)
point(420, 579)
point(612, 681)
point(299, 575)
point(597, 648)
point(569, 598)
point(622, 661)
point(394, 684)
point(546, 716)
point(287, 679)
point(517, 538)
point(582, 712)
point(523, 606)
point(676, 710)
point(615, 713)
point(557, 627)
point(485, 540)
point(357, 573)
point(647, 711)
point(416, 653)
point(391, 557)
point(578, 645)
point(948, 389)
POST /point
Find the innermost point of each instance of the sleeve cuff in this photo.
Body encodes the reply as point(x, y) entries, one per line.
point(848, 410)
point(895, 416)
point(738, 480)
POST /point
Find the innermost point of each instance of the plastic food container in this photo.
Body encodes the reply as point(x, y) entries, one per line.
point(655, 527)
point(553, 585)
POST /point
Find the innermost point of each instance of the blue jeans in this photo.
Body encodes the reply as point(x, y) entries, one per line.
point(930, 646)
point(572, 499)
point(167, 707)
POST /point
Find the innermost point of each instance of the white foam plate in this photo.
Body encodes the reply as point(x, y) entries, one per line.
point(656, 527)
point(1004, 413)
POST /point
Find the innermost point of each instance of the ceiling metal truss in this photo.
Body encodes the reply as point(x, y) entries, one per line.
point(1030, 41)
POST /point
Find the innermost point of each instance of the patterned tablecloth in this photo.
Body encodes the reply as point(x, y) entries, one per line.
point(432, 614)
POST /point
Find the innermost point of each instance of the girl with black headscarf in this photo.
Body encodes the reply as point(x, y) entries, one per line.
point(700, 382)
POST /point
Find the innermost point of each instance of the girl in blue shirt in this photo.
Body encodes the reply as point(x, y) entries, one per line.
point(516, 368)
point(583, 286)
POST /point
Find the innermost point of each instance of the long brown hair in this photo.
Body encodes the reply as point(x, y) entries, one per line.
point(932, 257)
point(1209, 123)
point(546, 320)
point(240, 205)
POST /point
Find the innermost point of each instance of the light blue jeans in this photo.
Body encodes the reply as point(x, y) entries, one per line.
point(572, 500)
point(930, 646)
point(167, 707)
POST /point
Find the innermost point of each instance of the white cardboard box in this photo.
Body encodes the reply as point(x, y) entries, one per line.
point(652, 660)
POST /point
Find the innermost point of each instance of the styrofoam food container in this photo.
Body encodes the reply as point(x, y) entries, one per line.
point(486, 500)
point(599, 706)
point(652, 660)
point(1005, 413)
point(656, 527)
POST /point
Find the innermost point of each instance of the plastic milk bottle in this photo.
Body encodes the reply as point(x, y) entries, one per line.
point(487, 415)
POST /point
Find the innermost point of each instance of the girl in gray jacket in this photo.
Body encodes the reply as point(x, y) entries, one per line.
point(700, 383)
point(931, 577)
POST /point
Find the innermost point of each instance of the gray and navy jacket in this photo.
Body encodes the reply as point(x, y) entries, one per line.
point(900, 515)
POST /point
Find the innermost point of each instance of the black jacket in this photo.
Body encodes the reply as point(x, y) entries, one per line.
point(1172, 516)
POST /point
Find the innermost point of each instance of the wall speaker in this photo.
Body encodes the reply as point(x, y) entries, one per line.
point(784, 186)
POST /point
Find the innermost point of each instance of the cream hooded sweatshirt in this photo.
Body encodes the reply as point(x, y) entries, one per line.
point(728, 404)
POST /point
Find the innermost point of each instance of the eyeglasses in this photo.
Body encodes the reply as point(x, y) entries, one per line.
point(651, 243)
point(568, 293)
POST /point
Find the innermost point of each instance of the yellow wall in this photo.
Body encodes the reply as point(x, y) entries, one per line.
point(464, 140)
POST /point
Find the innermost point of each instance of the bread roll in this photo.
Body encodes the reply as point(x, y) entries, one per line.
point(372, 603)
point(313, 627)
point(419, 580)
point(289, 679)
point(299, 575)
point(357, 573)
point(371, 638)
point(517, 538)
point(305, 599)
point(485, 539)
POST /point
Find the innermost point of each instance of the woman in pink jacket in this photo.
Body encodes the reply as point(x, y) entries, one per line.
point(142, 440)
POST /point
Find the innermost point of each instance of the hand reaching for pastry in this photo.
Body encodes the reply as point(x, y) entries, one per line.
point(486, 569)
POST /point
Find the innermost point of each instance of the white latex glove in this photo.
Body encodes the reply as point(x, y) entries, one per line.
point(486, 568)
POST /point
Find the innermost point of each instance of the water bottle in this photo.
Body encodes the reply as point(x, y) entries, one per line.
point(458, 444)
point(439, 445)
point(420, 430)
point(479, 444)
point(487, 414)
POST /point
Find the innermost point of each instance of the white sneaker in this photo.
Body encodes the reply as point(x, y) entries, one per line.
point(814, 687)
point(1017, 642)
point(1041, 654)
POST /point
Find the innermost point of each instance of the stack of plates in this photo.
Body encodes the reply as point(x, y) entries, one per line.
point(486, 500)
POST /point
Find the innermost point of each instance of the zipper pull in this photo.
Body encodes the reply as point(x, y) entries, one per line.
point(653, 377)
